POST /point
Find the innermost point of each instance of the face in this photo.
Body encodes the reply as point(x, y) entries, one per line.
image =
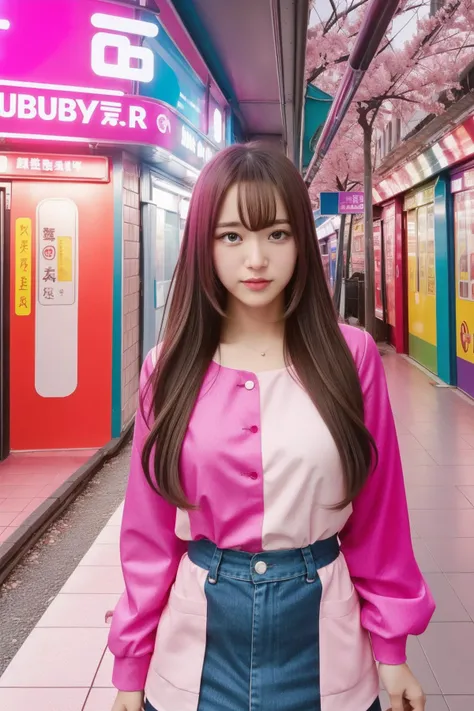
point(254, 267)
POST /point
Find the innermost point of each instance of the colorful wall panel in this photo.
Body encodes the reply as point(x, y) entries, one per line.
point(464, 279)
point(420, 252)
point(62, 246)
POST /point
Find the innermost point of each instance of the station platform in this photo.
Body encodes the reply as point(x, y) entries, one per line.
point(64, 665)
point(28, 479)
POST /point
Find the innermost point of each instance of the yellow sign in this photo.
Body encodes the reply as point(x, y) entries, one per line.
point(64, 259)
point(23, 266)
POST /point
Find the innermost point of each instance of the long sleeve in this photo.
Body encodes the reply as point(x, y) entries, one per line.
point(376, 540)
point(150, 554)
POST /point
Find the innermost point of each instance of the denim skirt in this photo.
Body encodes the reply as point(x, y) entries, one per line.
point(262, 637)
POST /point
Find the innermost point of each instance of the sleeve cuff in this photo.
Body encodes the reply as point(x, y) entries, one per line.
point(389, 651)
point(130, 673)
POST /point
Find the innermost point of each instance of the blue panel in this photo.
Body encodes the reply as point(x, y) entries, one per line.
point(445, 289)
point(329, 204)
point(117, 176)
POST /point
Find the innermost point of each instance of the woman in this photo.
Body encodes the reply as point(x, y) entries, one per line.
point(275, 564)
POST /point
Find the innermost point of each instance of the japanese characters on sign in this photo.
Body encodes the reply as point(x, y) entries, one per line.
point(23, 266)
point(30, 166)
point(56, 250)
point(351, 203)
point(47, 165)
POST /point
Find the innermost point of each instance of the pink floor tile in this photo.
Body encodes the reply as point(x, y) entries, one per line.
point(59, 658)
point(110, 534)
point(417, 457)
point(104, 675)
point(7, 532)
point(103, 555)
point(44, 700)
point(13, 491)
point(463, 585)
point(449, 607)
point(446, 524)
point(420, 667)
point(92, 579)
point(424, 558)
point(100, 699)
point(13, 505)
point(116, 518)
point(453, 555)
point(436, 497)
point(79, 610)
point(449, 647)
point(460, 703)
point(468, 492)
point(6, 519)
point(449, 455)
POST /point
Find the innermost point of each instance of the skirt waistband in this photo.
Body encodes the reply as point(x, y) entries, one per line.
point(264, 567)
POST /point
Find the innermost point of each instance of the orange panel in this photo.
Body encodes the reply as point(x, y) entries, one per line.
point(81, 415)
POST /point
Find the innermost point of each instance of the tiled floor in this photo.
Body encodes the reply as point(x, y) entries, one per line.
point(63, 665)
point(27, 479)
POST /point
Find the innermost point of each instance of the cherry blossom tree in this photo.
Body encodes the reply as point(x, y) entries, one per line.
point(402, 77)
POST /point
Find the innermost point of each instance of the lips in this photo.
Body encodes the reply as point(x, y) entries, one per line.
point(256, 284)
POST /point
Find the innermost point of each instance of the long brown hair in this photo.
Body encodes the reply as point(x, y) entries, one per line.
point(314, 344)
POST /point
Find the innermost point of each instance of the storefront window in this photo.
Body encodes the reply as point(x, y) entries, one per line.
point(173, 204)
point(464, 225)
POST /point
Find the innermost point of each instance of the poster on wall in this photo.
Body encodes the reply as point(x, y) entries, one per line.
point(358, 246)
point(464, 244)
point(56, 337)
point(422, 249)
point(430, 253)
point(412, 252)
point(389, 254)
point(23, 258)
point(378, 269)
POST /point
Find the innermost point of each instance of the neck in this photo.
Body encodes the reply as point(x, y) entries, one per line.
point(244, 323)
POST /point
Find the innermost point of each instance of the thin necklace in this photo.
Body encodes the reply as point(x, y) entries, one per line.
point(257, 350)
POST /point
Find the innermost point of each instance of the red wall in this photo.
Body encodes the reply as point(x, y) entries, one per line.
point(82, 419)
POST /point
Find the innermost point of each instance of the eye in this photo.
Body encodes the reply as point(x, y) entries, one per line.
point(230, 238)
point(279, 236)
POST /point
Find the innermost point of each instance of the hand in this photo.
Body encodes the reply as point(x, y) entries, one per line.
point(129, 701)
point(404, 690)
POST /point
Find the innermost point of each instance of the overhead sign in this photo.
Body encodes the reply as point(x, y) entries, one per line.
point(31, 166)
point(75, 116)
point(341, 203)
point(74, 70)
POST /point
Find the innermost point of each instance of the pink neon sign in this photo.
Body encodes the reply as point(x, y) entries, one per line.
point(51, 41)
point(69, 71)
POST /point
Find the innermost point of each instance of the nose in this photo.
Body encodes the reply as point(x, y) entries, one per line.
point(256, 258)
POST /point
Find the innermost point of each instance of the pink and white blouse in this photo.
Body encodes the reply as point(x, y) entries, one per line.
point(263, 469)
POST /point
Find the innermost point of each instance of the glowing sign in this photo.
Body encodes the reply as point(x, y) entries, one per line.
point(126, 53)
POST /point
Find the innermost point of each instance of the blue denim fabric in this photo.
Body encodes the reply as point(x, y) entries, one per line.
point(262, 646)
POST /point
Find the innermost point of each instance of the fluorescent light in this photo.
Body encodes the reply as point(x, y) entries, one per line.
point(59, 87)
point(4, 24)
point(124, 24)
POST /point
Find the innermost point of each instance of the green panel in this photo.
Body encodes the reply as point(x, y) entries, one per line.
point(316, 109)
point(424, 353)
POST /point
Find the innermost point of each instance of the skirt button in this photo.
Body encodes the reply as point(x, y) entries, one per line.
point(260, 567)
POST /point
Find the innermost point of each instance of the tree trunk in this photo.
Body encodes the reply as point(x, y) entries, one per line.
point(370, 320)
point(339, 264)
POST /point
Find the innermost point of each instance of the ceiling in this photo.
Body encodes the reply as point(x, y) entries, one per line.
point(255, 50)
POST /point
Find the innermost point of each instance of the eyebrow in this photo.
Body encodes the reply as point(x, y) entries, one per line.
point(239, 224)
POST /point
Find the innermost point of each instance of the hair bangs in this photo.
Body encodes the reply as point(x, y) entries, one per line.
point(257, 205)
